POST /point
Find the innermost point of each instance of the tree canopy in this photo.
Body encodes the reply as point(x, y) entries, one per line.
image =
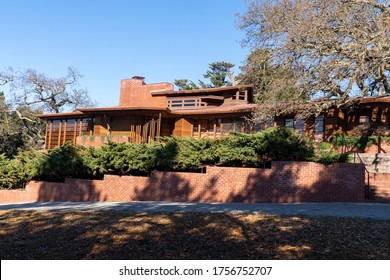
point(29, 93)
point(338, 50)
point(218, 73)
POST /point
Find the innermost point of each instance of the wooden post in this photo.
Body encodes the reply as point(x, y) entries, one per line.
point(75, 132)
point(50, 133)
point(59, 133)
point(199, 127)
point(65, 128)
point(215, 128)
point(81, 128)
point(159, 127)
point(131, 133)
point(46, 133)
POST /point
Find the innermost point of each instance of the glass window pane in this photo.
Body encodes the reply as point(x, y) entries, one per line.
point(238, 126)
point(289, 123)
point(300, 126)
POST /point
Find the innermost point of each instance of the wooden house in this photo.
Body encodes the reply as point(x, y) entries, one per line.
point(149, 111)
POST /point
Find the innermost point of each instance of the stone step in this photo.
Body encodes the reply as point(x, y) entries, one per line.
point(372, 157)
point(378, 169)
point(375, 161)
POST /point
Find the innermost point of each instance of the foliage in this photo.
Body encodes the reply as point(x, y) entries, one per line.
point(270, 82)
point(218, 72)
point(121, 158)
point(30, 93)
point(338, 50)
point(185, 153)
point(15, 173)
point(62, 162)
point(324, 154)
point(185, 84)
point(180, 154)
point(351, 142)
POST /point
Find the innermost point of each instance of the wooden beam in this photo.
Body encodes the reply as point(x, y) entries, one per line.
point(159, 127)
point(65, 128)
point(81, 128)
point(75, 132)
point(50, 133)
point(46, 134)
point(132, 133)
point(59, 133)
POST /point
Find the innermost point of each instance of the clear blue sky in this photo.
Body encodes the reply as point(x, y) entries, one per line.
point(116, 39)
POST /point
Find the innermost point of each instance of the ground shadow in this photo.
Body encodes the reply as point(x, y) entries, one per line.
point(139, 235)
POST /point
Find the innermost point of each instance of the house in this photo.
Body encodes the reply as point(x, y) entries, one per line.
point(149, 111)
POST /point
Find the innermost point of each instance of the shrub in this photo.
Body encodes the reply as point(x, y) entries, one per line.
point(283, 144)
point(351, 142)
point(184, 153)
point(15, 173)
point(120, 158)
point(62, 162)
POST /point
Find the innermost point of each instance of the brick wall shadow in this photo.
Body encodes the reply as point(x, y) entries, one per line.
point(303, 182)
point(75, 190)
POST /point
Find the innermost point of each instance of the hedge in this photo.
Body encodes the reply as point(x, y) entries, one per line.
point(181, 154)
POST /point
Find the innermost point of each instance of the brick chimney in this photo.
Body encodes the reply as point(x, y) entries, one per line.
point(135, 92)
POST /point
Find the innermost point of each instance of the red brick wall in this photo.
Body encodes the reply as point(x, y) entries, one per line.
point(284, 182)
point(135, 93)
point(379, 187)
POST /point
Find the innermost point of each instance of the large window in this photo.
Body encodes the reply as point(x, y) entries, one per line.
point(300, 126)
point(318, 129)
point(289, 123)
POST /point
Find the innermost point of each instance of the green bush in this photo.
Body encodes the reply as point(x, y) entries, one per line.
point(184, 154)
point(350, 142)
point(62, 162)
point(15, 173)
point(120, 158)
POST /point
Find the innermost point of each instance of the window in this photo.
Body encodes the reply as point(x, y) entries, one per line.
point(300, 126)
point(185, 103)
point(289, 123)
point(210, 127)
point(364, 120)
point(247, 128)
point(241, 95)
point(318, 129)
point(218, 126)
point(257, 127)
point(239, 126)
point(190, 103)
point(227, 125)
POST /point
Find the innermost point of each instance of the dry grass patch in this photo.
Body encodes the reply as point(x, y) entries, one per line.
point(134, 235)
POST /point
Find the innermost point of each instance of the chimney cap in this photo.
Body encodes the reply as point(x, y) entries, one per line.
point(138, 78)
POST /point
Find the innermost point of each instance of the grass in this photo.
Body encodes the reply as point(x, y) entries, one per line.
point(133, 235)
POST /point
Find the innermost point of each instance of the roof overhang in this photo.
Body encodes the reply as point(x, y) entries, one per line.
point(69, 115)
point(90, 112)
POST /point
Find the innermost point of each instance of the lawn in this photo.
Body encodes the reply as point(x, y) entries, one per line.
point(132, 235)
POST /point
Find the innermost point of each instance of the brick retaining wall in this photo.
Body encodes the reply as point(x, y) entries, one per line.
point(284, 182)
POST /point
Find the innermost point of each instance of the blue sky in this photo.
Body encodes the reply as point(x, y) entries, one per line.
point(116, 39)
